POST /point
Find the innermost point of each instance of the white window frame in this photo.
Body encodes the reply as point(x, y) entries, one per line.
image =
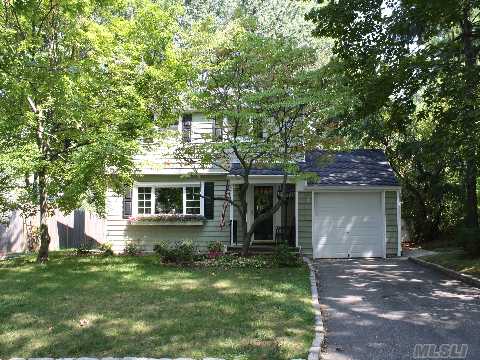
point(152, 199)
point(153, 186)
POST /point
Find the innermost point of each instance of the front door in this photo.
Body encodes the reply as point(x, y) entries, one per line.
point(263, 201)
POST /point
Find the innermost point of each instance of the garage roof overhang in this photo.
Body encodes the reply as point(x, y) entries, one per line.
point(303, 186)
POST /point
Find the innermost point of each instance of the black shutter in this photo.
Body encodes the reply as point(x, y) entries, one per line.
point(209, 193)
point(187, 127)
point(233, 232)
point(127, 204)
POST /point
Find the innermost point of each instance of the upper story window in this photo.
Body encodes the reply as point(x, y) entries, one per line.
point(217, 129)
point(187, 127)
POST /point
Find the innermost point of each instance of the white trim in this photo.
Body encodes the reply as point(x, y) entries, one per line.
point(231, 215)
point(319, 188)
point(296, 219)
point(260, 179)
point(134, 200)
point(202, 199)
point(384, 226)
point(153, 185)
point(301, 185)
point(399, 223)
point(313, 224)
point(152, 201)
point(250, 209)
point(277, 216)
point(180, 171)
point(184, 199)
point(168, 184)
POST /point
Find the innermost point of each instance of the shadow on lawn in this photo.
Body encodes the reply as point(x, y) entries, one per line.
point(136, 307)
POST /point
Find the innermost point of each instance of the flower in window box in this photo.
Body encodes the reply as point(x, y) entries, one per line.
point(167, 218)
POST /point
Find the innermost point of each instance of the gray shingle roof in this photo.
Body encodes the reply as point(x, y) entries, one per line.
point(341, 168)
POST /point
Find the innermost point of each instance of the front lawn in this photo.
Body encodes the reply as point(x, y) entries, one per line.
point(133, 306)
point(456, 260)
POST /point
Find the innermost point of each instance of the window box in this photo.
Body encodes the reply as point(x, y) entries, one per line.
point(168, 219)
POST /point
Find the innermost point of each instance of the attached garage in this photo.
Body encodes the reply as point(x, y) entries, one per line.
point(353, 207)
point(348, 224)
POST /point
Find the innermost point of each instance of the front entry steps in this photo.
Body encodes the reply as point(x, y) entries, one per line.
point(267, 249)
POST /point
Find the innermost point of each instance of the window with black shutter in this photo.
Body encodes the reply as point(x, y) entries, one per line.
point(187, 127)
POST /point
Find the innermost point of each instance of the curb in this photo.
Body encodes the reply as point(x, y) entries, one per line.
point(314, 353)
point(468, 279)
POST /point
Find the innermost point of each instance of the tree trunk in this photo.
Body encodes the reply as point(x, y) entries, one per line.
point(471, 219)
point(468, 122)
point(246, 242)
point(43, 203)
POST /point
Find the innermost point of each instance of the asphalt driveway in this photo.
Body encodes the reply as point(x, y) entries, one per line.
point(379, 309)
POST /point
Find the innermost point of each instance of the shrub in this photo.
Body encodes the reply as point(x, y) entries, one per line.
point(235, 261)
point(470, 239)
point(131, 249)
point(106, 249)
point(181, 252)
point(162, 249)
point(82, 250)
point(184, 251)
point(215, 249)
point(284, 257)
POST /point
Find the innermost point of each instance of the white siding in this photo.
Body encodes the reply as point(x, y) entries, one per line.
point(160, 159)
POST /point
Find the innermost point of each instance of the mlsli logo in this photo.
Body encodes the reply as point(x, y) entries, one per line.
point(442, 351)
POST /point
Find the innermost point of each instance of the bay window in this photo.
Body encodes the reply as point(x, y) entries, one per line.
point(169, 199)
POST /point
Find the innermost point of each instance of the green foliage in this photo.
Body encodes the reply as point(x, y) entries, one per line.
point(131, 249)
point(82, 250)
point(273, 96)
point(215, 246)
point(79, 81)
point(470, 240)
point(284, 257)
point(159, 302)
point(273, 19)
point(182, 252)
point(106, 249)
point(234, 261)
point(416, 90)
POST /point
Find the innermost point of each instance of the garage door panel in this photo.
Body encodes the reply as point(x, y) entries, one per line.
point(348, 225)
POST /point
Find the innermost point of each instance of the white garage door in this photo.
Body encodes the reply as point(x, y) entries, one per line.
point(348, 225)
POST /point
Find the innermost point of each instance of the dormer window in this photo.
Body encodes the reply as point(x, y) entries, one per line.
point(187, 127)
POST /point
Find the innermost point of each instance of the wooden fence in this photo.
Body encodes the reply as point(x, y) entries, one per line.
point(66, 231)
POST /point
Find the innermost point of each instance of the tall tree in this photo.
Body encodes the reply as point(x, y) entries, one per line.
point(267, 95)
point(401, 54)
point(79, 80)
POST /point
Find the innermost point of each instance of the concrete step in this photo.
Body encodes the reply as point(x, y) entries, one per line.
point(259, 249)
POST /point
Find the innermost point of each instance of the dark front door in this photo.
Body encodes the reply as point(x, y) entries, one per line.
point(263, 201)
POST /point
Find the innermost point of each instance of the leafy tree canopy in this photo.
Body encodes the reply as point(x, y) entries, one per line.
point(79, 81)
point(413, 66)
point(268, 96)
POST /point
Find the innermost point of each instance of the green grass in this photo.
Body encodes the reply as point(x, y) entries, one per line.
point(456, 260)
point(133, 306)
